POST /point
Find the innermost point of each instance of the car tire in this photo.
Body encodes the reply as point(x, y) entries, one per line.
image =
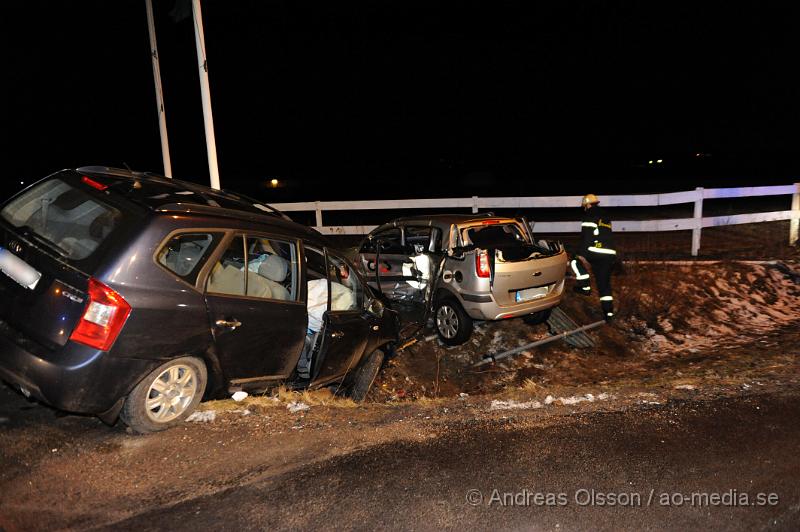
point(537, 317)
point(166, 396)
point(366, 374)
point(452, 323)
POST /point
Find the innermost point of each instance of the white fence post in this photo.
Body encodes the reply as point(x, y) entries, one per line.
point(794, 224)
point(698, 221)
point(474, 204)
point(318, 211)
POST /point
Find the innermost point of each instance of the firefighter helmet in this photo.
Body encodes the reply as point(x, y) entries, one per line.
point(589, 199)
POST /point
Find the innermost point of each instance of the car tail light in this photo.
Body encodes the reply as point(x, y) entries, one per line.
point(92, 183)
point(482, 264)
point(103, 318)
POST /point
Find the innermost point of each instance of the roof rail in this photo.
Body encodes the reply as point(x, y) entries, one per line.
point(198, 208)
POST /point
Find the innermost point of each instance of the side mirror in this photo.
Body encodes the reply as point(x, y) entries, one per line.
point(375, 307)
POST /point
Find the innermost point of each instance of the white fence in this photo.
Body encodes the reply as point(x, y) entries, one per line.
point(475, 203)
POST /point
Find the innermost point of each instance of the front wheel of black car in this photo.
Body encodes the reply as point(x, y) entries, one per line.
point(167, 396)
point(453, 324)
point(363, 380)
point(537, 317)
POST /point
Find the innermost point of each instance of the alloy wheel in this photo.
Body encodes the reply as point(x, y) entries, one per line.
point(171, 393)
point(447, 321)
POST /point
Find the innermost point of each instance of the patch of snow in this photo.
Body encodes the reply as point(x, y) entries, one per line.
point(202, 416)
point(497, 339)
point(297, 406)
point(685, 387)
point(580, 399)
point(573, 400)
point(513, 405)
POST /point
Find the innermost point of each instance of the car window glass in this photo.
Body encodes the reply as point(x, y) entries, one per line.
point(389, 240)
point(272, 267)
point(494, 235)
point(185, 253)
point(346, 289)
point(418, 236)
point(317, 281)
point(315, 264)
point(227, 276)
point(64, 216)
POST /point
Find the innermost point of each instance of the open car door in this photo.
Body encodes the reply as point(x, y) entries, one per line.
point(404, 264)
point(344, 325)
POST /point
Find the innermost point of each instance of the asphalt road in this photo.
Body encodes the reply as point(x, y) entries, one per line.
point(639, 460)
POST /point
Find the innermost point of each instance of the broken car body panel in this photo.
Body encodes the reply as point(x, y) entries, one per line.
point(489, 264)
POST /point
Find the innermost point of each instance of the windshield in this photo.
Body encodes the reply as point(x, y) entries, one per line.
point(494, 235)
point(63, 217)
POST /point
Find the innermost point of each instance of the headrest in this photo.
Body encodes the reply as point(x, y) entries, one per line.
point(102, 225)
point(274, 268)
point(70, 199)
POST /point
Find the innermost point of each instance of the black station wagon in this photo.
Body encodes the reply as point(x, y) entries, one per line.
point(131, 295)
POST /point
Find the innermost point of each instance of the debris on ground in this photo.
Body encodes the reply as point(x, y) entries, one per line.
point(202, 416)
point(239, 396)
point(297, 406)
point(513, 405)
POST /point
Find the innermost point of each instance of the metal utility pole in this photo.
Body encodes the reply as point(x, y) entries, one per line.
point(794, 223)
point(162, 117)
point(205, 93)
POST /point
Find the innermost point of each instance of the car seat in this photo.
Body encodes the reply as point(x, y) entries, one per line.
point(273, 271)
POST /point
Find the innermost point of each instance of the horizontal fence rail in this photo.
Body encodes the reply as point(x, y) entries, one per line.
point(475, 203)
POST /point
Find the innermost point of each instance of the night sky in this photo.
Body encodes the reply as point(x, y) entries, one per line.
point(345, 100)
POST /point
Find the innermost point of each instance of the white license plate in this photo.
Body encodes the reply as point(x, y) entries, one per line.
point(530, 294)
point(18, 269)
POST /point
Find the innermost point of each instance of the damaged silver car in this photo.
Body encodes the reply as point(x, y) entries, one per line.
point(454, 269)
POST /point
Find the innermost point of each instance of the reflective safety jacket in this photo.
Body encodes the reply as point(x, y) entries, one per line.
point(596, 235)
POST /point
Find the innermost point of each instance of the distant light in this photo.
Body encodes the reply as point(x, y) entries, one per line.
point(660, 161)
point(22, 182)
point(649, 162)
point(274, 182)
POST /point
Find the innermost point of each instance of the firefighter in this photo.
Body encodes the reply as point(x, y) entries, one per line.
point(597, 247)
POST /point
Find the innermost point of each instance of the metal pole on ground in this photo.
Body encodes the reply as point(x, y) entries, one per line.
point(205, 93)
point(493, 358)
point(794, 224)
point(162, 116)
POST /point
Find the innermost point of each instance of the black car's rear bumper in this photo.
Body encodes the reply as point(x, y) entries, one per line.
point(74, 378)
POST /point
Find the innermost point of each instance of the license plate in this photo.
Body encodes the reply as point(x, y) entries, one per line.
point(530, 294)
point(18, 269)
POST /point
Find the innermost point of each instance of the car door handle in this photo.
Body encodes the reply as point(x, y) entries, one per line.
point(337, 334)
point(232, 324)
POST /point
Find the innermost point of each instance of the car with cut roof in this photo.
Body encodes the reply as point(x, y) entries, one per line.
point(465, 267)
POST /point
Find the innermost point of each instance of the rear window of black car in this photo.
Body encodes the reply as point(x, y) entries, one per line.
point(185, 253)
point(69, 215)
